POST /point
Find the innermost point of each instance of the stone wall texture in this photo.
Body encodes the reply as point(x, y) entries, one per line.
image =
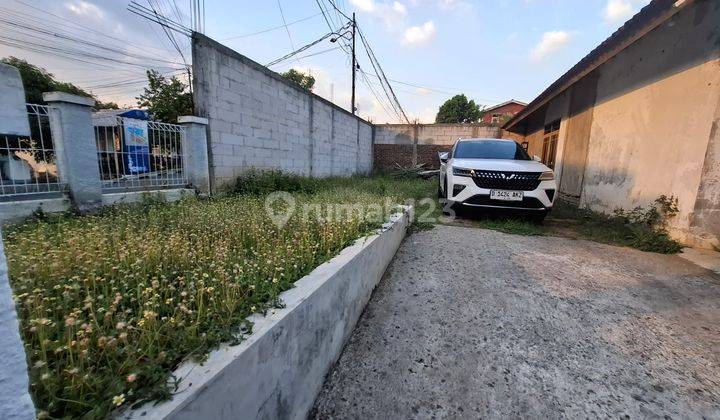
point(403, 145)
point(258, 119)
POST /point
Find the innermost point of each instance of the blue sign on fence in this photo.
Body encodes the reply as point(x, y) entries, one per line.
point(136, 146)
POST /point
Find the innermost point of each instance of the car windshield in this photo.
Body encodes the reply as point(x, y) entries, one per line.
point(490, 149)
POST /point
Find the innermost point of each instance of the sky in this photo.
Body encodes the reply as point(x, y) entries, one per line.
point(491, 51)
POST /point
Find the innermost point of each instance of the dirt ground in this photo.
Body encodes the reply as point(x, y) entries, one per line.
point(476, 323)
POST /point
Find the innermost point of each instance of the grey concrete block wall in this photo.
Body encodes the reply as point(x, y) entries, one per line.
point(432, 134)
point(258, 119)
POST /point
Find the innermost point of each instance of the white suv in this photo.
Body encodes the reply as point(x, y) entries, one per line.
point(496, 173)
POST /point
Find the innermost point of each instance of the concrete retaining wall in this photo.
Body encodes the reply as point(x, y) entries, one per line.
point(15, 401)
point(279, 369)
point(418, 144)
point(259, 119)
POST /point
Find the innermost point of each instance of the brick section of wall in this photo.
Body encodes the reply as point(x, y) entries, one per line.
point(389, 156)
point(411, 144)
point(428, 155)
point(259, 119)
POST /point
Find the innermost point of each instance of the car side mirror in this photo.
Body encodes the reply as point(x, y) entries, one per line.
point(536, 158)
point(443, 156)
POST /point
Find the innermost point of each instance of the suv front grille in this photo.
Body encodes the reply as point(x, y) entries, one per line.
point(501, 180)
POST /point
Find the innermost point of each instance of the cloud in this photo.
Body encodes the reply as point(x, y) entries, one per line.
point(617, 11)
point(447, 4)
point(367, 6)
point(83, 8)
point(551, 43)
point(391, 13)
point(423, 91)
point(419, 35)
point(399, 8)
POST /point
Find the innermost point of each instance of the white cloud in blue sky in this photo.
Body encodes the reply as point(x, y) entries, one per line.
point(619, 11)
point(552, 42)
point(419, 35)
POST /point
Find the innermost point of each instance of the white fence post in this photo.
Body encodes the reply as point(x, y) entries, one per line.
point(195, 152)
point(75, 147)
point(15, 401)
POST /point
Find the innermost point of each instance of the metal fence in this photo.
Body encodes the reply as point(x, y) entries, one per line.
point(130, 162)
point(28, 165)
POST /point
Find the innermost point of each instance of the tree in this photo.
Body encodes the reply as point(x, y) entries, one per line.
point(302, 79)
point(458, 110)
point(166, 98)
point(37, 80)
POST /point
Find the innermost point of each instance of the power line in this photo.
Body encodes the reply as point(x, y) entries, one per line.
point(381, 74)
point(275, 28)
point(299, 50)
point(282, 15)
point(77, 25)
point(318, 53)
point(76, 40)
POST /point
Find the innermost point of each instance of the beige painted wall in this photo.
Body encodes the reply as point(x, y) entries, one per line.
point(653, 116)
point(641, 125)
point(656, 149)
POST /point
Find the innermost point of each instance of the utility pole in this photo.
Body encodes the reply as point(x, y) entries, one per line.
point(354, 65)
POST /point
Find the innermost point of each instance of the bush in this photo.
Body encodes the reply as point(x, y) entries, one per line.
point(259, 182)
point(641, 228)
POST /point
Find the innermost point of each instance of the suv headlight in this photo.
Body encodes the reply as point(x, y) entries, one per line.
point(462, 171)
point(547, 176)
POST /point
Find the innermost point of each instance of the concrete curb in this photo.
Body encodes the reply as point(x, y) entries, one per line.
point(278, 370)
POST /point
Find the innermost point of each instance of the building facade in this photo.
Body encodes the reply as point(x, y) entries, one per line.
point(500, 113)
point(639, 117)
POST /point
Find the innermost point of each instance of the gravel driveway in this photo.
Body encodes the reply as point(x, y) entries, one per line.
point(476, 323)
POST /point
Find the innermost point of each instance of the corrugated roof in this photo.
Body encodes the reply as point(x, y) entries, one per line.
point(651, 16)
point(511, 101)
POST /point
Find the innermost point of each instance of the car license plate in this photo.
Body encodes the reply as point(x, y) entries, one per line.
point(505, 195)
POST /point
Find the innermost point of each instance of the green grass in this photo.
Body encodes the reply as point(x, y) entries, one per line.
point(617, 230)
point(511, 225)
point(111, 303)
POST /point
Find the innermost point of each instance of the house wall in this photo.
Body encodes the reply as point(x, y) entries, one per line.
point(644, 124)
point(509, 109)
point(259, 119)
point(415, 144)
point(655, 107)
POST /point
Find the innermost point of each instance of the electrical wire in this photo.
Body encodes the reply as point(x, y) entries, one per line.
point(299, 50)
point(270, 29)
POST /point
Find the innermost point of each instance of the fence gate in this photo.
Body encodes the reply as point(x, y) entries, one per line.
point(139, 155)
point(28, 165)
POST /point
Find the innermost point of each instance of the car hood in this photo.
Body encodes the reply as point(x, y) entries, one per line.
point(500, 165)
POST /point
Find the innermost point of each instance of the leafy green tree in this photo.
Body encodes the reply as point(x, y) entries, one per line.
point(37, 80)
point(458, 110)
point(302, 79)
point(166, 98)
